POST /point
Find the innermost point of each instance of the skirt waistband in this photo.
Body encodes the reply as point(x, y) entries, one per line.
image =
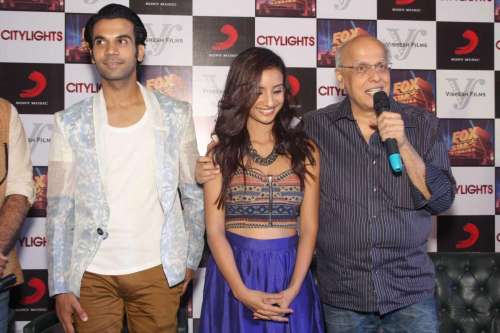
point(255, 244)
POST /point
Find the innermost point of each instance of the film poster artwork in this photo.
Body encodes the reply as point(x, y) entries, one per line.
point(470, 142)
point(173, 81)
point(332, 33)
point(285, 8)
point(76, 48)
point(39, 207)
point(497, 10)
point(33, 5)
point(415, 87)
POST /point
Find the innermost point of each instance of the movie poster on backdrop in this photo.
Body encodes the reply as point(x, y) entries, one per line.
point(332, 33)
point(414, 87)
point(497, 143)
point(497, 10)
point(470, 142)
point(172, 81)
point(465, 94)
point(76, 49)
point(497, 190)
point(280, 8)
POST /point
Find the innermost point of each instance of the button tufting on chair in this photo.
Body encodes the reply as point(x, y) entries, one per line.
point(468, 291)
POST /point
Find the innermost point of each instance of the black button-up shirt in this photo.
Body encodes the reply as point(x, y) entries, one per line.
point(374, 225)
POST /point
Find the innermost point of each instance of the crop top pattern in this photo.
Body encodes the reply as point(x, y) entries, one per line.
point(263, 201)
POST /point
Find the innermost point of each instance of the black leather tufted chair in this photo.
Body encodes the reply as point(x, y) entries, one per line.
point(468, 291)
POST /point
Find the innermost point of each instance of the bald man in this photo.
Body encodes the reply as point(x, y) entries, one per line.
point(372, 264)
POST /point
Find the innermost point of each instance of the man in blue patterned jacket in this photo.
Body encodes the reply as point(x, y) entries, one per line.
point(119, 242)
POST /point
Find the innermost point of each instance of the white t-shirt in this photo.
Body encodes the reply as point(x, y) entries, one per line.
point(136, 216)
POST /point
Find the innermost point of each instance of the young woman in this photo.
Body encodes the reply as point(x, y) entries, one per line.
point(258, 278)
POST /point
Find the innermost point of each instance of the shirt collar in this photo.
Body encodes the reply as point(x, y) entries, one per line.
point(344, 112)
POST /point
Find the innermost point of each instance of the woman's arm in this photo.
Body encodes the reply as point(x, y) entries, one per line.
point(257, 301)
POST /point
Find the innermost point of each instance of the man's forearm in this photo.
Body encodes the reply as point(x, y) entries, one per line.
point(12, 215)
point(415, 168)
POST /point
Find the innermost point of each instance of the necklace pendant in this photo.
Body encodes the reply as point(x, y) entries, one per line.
point(264, 161)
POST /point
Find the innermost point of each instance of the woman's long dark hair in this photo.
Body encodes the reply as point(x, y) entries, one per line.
point(240, 94)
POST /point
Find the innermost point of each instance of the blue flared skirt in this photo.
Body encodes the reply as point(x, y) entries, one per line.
point(265, 265)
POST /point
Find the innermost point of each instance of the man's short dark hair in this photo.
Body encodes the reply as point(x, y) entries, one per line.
point(115, 11)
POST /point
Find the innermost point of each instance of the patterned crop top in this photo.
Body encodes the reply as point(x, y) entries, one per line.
point(265, 201)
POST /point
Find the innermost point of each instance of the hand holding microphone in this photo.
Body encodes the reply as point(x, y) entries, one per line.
point(391, 130)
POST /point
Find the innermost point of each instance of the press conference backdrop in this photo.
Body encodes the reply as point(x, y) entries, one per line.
point(445, 55)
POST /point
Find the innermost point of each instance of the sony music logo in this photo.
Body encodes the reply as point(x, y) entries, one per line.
point(263, 40)
point(162, 4)
point(83, 87)
point(33, 241)
point(30, 35)
point(331, 91)
point(474, 189)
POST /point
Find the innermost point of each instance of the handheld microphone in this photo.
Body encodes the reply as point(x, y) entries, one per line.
point(381, 104)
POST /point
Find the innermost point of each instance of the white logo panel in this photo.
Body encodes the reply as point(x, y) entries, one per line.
point(90, 6)
point(294, 39)
point(80, 81)
point(465, 11)
point(170, 41)
point(412, 44)
point(38, 128)
point(432, 240)
point(327, 87)
point(347, 9)
point(475, 191)
point(243, 8)
point(465, 94)
point(208, 85)
point(204, 127)
point(31, 245)
point(32, 37)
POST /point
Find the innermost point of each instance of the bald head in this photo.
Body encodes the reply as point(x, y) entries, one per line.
point(343, 52)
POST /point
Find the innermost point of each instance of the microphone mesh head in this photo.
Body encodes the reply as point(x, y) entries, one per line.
point(381, 102)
